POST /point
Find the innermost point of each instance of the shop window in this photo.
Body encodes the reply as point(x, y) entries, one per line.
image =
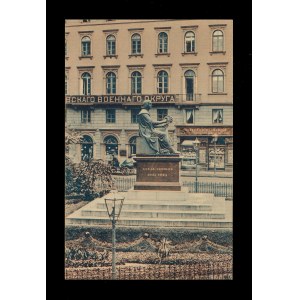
point(86, 46)
point(189, 42)
point(218, 41)
point(132, 145)
point(189, 113)
point(87, 148)
point(136, 44)
point(162, 82)
point(85, 116)
point(86, 83)
point(161, 114)
point(162, 43)
point(110, 116)
point(110, 83)
point(136, 83)
point(217, 116)
point(134, 115)
point(111, 45)
point(217, 81)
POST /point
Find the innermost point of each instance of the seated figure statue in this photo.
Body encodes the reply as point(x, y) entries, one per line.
point(155, 132)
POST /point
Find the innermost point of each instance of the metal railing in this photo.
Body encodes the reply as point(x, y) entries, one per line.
point(219, 189)
point(187, 97)
point(204, 270)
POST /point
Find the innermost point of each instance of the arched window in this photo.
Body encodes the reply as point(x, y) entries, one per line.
point(86, 83)
point(136, 44)
point(218, 41)
point(217, 81)
point(111, 45)
point(132, 145)
point(111, 145)
point(66, 85)
point(162, 82)
point(189, 84)
point(162, 43)
point(189, 41)
point(136, 82)
point(86, 46)
point(110, 83)
point(87, 148)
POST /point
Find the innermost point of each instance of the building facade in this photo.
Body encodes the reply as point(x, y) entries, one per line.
point(184, 66)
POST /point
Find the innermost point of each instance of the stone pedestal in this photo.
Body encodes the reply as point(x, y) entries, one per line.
point(159, 172)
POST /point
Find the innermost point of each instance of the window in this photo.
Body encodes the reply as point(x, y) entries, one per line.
point(87, 148)
point(217, 81)
point(111, 45)
point(136, 44)
point(85, 116)
point(134, 115)
point(111, 146)
point(110, 116)
point(217, 116)
point(189, 84)
point(66, 52)
point(162, 82)
point(85, 46)
point(189, 116)
point(132, 145)
point(136, 83)
point(162, 43)
point(86, 83)
point(189, 42)
point(66, 85)
point(110, 83)
point(86, 20)
point(218, 41)
point(161, 113)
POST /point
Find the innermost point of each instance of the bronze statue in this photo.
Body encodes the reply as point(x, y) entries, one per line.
point(155, 132)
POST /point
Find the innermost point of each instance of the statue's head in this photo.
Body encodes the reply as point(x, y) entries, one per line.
point(147, 104)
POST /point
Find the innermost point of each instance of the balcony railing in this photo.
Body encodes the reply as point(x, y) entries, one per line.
point(187, 97)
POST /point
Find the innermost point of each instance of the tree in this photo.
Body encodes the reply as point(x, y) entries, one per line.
point(88, 178)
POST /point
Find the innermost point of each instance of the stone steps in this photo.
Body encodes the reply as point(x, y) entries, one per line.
point(199, 223)
point(160, 214)
point(162, 206)
point(174, 209)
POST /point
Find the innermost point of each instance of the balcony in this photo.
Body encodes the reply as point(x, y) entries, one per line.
point(187, 99)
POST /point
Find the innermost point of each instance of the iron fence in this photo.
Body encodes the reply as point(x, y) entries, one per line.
point(199, 271)
point(219, 189)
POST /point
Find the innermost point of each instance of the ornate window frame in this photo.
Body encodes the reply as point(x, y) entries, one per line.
point(185, 67)
point(185, 29)
point(158, 31)
point(107, 33)
point(89, 34)
point(212, 67)
point(213, 28)
point(66, 45)
point(157, 69)
point(107, 69)
point(133, 31)
point(81, 70)
point(132, 68)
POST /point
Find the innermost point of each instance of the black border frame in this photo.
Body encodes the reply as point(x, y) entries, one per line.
point(241, 13)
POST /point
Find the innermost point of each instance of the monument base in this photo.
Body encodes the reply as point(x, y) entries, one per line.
point(158, 172)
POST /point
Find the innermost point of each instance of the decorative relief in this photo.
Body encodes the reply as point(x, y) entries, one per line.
point(107, 69)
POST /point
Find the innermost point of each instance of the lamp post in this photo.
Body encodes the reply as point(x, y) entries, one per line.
point(114, 206)
point(196, 144)
point(215, 139)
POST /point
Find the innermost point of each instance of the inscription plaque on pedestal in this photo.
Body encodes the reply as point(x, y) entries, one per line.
point(158, 173)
